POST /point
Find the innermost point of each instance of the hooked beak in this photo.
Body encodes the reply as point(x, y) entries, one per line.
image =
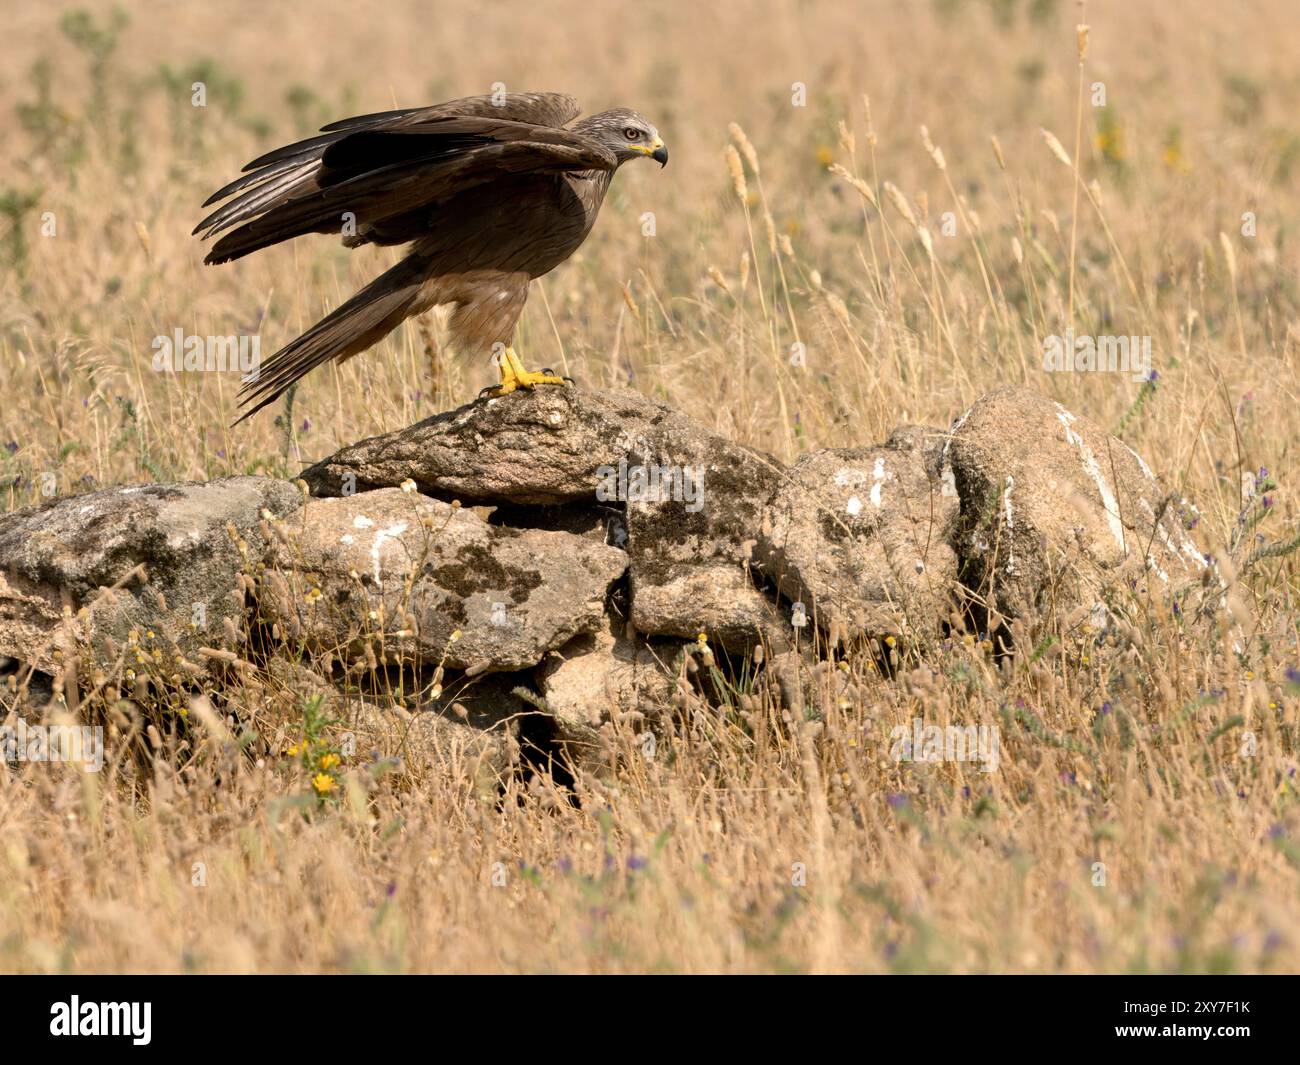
point(659, 153)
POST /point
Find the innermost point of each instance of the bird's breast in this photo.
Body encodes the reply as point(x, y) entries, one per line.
point(527, 224)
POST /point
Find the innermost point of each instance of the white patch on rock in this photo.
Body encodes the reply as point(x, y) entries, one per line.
point(878, 480)
point(362, 522)
point(854, 506)
point(1142, 463)
point(1186, 544)
point(1187, 548)
point(391, 533)
point(1093, 469)
point(943, 456)
point(1011, 523)
point(948, 483)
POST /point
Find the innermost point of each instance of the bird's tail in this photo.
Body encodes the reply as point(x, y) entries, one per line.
point(365, 319)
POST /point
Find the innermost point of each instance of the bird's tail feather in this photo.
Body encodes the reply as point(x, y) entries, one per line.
point(350, 329)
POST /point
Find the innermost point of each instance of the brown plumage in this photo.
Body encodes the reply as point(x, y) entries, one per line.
point(489, 191)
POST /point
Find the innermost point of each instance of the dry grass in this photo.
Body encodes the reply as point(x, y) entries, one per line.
point(686, 862)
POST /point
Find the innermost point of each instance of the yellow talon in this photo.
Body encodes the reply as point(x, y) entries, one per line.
point(513, 376)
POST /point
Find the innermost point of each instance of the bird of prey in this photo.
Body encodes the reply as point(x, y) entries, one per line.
point(488, 191)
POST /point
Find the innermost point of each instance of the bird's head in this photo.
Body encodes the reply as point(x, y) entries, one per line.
point(627, 134)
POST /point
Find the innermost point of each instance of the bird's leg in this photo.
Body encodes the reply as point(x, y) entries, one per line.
point(513, 376)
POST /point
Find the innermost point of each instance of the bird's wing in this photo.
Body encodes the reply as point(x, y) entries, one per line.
point(430, 139)
point(537, 108)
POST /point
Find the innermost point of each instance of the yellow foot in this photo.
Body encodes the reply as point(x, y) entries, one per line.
point(529, 379)
point(513, 376)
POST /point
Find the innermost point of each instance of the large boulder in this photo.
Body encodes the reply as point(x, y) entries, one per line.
point(686, 503)
point(399, 573)
point(602, 676)
point(1057, 513)
point(860, 537)
point(539, 447)
point(1028, 506)
point(139, 577)
point(695, 509)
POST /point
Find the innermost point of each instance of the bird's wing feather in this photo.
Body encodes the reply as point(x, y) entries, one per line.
point(535, 108)
point(411, 172)
point(380, 171)
point(447, 136)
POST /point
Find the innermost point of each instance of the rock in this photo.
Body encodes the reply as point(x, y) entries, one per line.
point(718, 600)
point(860, 536)
point(540, 447)
point(695, 508)
point(1056, 513)
point(594, 461)
point(592, 522)
point(598, 676)
point(166, 546)
point(1021, 505)
point(415, 570)
point(926, 441)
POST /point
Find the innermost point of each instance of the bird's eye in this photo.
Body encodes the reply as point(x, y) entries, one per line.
point(631, 133)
